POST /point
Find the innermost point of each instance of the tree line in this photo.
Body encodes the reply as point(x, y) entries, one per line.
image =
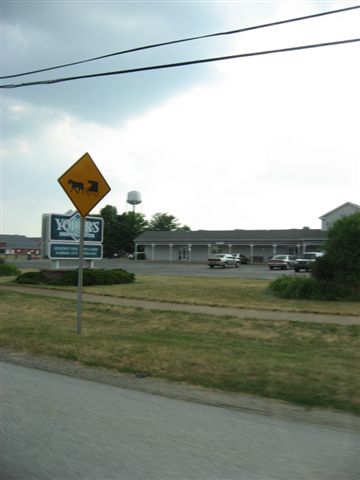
point(120, 230)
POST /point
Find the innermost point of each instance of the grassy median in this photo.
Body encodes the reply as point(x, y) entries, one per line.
point(218, 291)
point(304, 363)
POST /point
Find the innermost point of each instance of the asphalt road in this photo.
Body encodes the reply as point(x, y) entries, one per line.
point(172, 268)
point(56, 427)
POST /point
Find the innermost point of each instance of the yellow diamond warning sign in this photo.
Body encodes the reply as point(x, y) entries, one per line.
point(84, 184)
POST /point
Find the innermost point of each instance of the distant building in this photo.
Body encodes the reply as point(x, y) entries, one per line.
point(346, 209)
point(15, 245)
point(258, 245)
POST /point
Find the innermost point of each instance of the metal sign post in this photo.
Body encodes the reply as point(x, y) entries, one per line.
point(85, 186)
point(80, 275)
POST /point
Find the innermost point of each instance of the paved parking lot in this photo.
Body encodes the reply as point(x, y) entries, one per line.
point(142, 267)
point(202, 270)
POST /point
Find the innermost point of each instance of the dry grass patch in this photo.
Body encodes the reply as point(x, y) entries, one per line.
point(219, 291)
point(310, 364)
point(223, 292)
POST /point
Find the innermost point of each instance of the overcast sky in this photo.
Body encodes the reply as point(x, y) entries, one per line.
point(252, 143)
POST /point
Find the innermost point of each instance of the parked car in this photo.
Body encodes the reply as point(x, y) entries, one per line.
point(241, 258)
point(306, 261)
point(222, 260)
point(283, 262)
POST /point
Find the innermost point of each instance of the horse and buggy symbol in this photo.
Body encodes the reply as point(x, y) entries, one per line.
point(91, 189)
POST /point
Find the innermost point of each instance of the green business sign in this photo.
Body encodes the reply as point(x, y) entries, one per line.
point(68, 251)
point(67, 228)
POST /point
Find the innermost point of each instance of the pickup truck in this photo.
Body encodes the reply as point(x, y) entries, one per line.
point(305, 262)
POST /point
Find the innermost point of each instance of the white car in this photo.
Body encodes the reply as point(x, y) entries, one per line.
point(222, 260)
point(284, 262)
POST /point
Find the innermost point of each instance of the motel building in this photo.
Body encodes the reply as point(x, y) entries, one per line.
point(257, 245)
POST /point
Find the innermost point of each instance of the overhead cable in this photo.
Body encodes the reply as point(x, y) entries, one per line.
point(180, 64)
point(172, 42)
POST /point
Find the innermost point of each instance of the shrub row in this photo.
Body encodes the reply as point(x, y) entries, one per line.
point(7, 269)
point(293, 287)
point(70, 277)
point(309, 288)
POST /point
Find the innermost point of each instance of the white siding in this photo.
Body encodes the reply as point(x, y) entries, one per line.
point(343, 211)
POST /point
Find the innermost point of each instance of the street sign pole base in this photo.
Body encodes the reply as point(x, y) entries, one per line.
point(80, 275)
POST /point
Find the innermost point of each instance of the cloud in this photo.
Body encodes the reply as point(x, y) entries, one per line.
point(267, 142)
point(16, 108)
point(124, 24)
point(16, 36)
point(217, 148)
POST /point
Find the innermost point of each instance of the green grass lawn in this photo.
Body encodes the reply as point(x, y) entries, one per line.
point(304, 363)
point(227, 292)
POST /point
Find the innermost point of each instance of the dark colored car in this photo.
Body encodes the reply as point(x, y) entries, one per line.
point(241, 258)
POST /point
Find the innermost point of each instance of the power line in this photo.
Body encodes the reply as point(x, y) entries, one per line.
point(172, 42)
point(181, 64)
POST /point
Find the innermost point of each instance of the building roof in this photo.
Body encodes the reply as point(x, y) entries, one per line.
point(356, 207)
point(20, 241)
point(232, 236)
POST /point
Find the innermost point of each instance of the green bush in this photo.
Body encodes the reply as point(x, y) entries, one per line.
point(70, 277)
point(341, 262)
point(32, 278)
point(295, 287)
point(335, 285)
point(96, 277)
point(8, 269)
point(323, 269)
point(336, 275)
point(309, 288)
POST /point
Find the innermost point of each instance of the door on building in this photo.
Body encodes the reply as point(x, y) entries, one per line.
point(183, 253)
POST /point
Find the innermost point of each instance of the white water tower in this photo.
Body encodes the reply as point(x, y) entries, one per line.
point(134, 198)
